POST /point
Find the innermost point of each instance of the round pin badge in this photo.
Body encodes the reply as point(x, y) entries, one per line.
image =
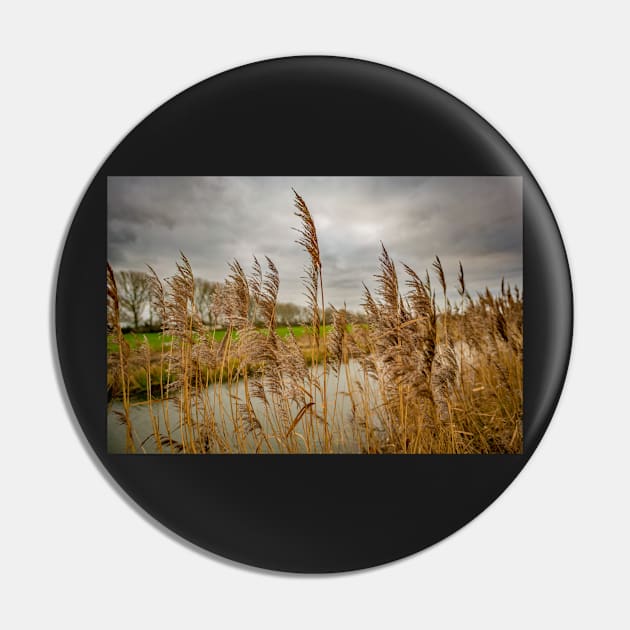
point(313, 314)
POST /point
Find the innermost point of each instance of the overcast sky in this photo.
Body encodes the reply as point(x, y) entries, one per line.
point(213, 220)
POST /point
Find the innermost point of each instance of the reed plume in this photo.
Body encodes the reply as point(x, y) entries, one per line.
point(415, 374)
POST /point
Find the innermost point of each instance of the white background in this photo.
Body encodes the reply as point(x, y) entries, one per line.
point(553, 551)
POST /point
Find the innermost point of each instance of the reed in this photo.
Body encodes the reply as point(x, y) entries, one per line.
point(421, 376)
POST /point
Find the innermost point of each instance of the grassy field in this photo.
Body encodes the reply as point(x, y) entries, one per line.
point(156, 339)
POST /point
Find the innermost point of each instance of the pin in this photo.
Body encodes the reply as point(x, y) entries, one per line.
point(314, 314)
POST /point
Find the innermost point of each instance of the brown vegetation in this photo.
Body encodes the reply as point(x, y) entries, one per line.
point(416, 378)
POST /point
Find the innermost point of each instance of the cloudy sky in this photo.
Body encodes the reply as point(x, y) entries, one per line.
point(213, 220)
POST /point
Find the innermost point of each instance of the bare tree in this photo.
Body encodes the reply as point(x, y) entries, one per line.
point(289, 313)
point(205, 292)
point(134, 294)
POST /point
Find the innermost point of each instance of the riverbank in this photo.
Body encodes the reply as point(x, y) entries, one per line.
point(148, 361)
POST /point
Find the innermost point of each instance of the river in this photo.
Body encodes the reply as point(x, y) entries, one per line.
point(344, 435)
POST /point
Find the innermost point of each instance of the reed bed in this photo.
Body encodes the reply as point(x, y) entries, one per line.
point(422, 376)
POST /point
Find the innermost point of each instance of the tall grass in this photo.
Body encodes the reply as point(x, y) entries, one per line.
point(423, 375)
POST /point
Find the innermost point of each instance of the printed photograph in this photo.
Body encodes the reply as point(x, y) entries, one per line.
point(314, 315)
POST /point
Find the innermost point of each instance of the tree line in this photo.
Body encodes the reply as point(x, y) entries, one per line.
point(134, 291)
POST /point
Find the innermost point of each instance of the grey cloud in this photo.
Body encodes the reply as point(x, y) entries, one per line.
point(215, 219)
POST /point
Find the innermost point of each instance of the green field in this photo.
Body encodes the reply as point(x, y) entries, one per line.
point(155, 339)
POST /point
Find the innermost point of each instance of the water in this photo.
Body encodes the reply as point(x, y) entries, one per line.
point(310, 434)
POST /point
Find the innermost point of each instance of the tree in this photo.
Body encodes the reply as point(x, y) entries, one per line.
point(288, 313)
point(205, 292)
point(134, 294)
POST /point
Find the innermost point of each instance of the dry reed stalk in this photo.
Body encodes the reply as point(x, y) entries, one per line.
point(113, 324)
point(428, 380)
point(314, 285)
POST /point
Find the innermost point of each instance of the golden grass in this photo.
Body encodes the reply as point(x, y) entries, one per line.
point(417, 378)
